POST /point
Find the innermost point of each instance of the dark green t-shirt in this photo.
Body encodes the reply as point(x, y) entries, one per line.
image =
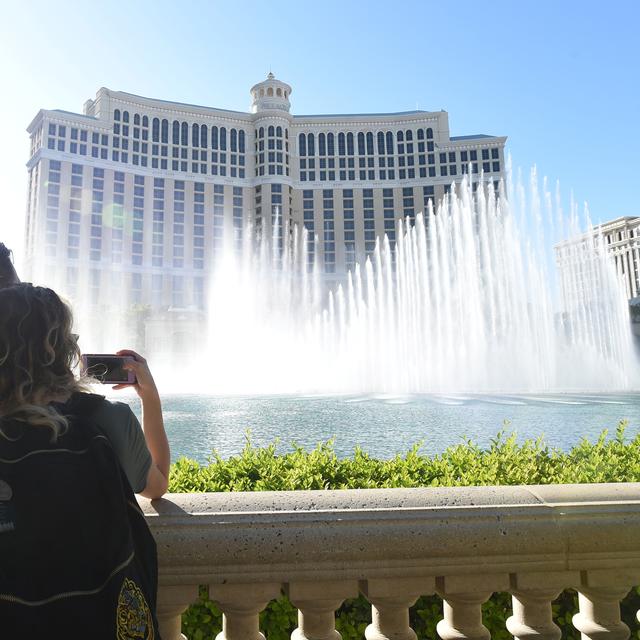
point(121, 427)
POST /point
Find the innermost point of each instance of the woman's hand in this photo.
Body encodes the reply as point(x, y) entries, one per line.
point(152, 424)
point(145, 385)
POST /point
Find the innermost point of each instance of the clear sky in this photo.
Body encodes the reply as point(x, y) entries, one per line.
point(560, 78)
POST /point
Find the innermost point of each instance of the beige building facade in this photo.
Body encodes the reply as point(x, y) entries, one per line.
point(142, 194)
point(621, 238)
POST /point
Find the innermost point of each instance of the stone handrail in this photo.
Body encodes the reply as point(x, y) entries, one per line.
point(395, 545)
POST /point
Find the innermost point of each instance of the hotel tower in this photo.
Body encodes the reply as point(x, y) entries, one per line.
point(136, 196)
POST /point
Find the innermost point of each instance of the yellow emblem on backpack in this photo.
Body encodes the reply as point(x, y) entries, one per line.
point(133, 617)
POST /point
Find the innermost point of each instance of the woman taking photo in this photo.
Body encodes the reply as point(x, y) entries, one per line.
point(76, 557)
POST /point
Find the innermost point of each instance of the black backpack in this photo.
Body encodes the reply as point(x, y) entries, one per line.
point(77, 559)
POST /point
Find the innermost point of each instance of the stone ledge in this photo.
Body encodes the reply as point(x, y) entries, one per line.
point(365, 533)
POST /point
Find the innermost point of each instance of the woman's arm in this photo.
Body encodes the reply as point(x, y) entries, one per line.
point(152, 425)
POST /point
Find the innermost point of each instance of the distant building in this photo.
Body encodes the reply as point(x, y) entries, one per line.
point(621, 237)
point(135, 197)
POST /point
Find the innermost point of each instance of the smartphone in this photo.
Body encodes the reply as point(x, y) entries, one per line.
point(107, 368)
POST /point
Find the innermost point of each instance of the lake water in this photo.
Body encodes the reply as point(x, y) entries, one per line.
point(385, 425)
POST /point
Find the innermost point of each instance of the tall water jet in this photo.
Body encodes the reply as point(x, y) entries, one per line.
point(463, 301)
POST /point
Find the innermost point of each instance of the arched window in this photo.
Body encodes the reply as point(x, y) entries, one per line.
point(278, 91)
point(261, 92)
point(165, 131)
point(214, 137)
point(350, 143)
point(223, 138)
point(400, 136)
point(341, 144)
point(420, 134)
point(261, 132)
point(195, 135)
point(408, 135)
point(302, 144)
point(271, 131)
point(125, 116)
point(116, 114)
point(145, 121)
point(330, 145)
point(203, 136)
point(176, 132)
point(286, 133)
point(286, 95)
point(233, 140)
point(241, 141)
point(184, 134)
point(380, 143)
point(361, 143)
point(311, 145)
point(322, 144)
point(369, 143)
point(270, 91)
point(155, 132)
point(279, 132)
point(389, 143)
point(136, 119)
point(429, 133)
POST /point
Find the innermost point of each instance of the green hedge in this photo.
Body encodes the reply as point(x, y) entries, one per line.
point(504, 462)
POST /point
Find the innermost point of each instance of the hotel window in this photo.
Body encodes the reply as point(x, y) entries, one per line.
point(369, 221)
point(177, 297)
point(428, 194)
point(136, 288)
point(157, 238)
point(56, 140)
point(218, 216)
point(97, 198)
point(157, 286)
point(277, 215)
point(94, 285)
point(329, 239)
point(309, 225)
point(237, 214)
point(408, 208)
point(198, 225)
point(388, 214)
point(349, 229)
point(138, 220)
point(117, 217)
point(178, 223)
point(53, 207)
point(198, 292)
point(75, 212)
point(72, 281)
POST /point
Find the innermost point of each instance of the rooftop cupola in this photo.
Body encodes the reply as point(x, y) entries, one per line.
point(270, 94)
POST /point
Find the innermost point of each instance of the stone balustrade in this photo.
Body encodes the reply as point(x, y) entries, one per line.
point(395, 545)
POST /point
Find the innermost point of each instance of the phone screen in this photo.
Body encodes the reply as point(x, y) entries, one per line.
point(108, 368)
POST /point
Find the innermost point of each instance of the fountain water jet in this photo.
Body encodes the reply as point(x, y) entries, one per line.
point(464, 302)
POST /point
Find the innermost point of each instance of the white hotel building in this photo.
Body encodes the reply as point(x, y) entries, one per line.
point(137, 195)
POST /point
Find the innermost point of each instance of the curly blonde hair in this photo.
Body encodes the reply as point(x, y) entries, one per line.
point(37, 356)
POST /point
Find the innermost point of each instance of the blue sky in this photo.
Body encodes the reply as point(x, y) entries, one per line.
point(561, 79)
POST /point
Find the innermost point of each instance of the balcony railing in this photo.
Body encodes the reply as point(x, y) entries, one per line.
point(395, 545)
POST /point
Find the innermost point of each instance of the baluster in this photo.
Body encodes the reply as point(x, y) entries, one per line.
point(241, 605)
point(172, 603)
point(599, 599)
point(316, 603)
point(463, 597)
point(532, 594)
point(390, 601)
